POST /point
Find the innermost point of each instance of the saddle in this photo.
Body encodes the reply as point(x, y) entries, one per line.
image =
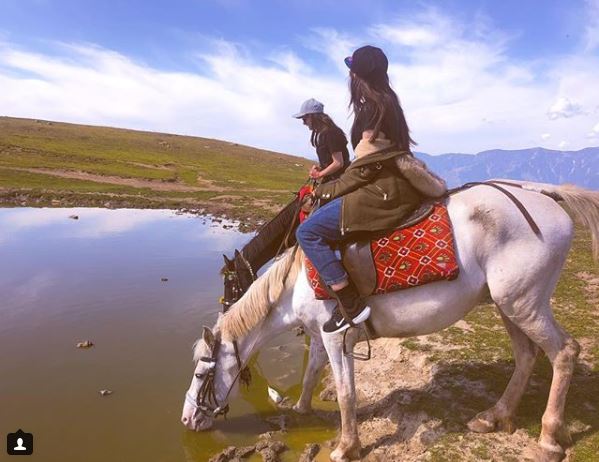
point(420, 250)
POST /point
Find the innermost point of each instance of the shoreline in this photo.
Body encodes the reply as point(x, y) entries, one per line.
point(247, 217)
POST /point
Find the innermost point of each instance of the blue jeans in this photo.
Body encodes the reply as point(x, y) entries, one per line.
point(317, 234)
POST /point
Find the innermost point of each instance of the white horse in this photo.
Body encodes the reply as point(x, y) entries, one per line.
point(498, 254)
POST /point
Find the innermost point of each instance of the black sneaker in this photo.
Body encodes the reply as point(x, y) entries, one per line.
point(338, 323)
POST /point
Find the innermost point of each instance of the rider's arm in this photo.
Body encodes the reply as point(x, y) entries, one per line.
point(336, 164)
point(352, 179)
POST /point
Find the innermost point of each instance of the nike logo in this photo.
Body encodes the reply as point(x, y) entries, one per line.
point(338, 323)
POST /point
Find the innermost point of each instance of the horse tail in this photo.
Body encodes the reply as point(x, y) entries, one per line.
point(582, 204)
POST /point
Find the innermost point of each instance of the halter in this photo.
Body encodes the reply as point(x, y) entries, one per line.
point(206, 401)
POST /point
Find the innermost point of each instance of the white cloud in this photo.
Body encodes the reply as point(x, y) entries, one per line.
point(92, 222)
point(565, 108)
point(562, 144)
point(545, 136)
point(594, 133)
point(459, 86)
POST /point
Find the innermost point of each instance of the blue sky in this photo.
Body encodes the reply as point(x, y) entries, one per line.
point(471, 75)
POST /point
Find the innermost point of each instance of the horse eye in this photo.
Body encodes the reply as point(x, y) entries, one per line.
point(199, 375)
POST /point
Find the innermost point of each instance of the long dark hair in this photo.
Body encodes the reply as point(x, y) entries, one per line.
point(321, 123)
point(383, 104)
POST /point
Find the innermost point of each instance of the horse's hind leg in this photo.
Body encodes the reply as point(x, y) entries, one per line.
point(317, 358)
point(500, 416)
point(537, 322)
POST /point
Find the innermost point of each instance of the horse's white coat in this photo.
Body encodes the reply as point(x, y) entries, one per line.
point(498, 253)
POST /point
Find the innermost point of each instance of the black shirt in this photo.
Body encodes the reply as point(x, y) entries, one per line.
point(329, 142)
point(366, 120)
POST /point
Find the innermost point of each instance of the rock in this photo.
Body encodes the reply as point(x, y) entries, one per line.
point(85, 344)
point(310, 452)
point(245, 451)
point(274, 395)
point(74, 217)
point(271, 449)
point(164, 279)
point(226, 455)
point(105, 392)
point(268, 455)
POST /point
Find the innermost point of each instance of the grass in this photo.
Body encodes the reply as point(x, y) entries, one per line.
point(34, 153)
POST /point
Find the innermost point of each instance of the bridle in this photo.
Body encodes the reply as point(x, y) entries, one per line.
point(206, 401)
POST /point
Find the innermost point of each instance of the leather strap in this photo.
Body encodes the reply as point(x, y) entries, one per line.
point(514, 199)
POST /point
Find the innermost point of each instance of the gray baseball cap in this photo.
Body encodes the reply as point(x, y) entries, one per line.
point(310, 106)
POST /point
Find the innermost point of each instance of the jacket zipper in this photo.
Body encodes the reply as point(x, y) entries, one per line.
point(382, 192)
point(342, 221)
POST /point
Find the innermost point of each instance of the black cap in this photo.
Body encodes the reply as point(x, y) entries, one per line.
point(368, 62)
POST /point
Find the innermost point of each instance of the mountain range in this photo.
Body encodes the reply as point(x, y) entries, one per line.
point(536, 164)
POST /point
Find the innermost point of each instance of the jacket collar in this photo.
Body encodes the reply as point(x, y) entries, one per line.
point(366, 147)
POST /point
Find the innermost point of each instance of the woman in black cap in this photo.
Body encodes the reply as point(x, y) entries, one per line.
point(328, 139)
point(380, 188)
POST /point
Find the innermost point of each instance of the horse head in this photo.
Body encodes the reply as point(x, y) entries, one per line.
point(213, 381)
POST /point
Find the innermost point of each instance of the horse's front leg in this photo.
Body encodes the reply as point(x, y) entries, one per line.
point(343, 371)
point(317, 358)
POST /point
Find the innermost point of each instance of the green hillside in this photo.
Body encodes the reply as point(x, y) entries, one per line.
point(60, 164)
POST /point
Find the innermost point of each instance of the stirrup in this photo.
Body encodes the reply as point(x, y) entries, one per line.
point(351, 354)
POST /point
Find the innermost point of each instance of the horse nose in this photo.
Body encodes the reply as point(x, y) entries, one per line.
point(184, 420)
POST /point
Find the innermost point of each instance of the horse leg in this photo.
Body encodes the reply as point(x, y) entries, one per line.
point(562, 351)
point(317, 358)
point(500, 416)
point(343, 371)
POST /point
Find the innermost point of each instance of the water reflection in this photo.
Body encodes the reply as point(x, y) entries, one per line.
point(100, 278)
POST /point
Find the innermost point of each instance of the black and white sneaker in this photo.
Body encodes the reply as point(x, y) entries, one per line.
point(338, 323)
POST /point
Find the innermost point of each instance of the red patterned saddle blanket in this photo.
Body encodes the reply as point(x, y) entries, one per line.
point(408, 257)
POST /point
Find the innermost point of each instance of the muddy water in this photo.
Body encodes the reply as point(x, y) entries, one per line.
point(63, 281)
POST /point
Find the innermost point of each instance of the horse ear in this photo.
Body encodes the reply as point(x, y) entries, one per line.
point(237, 253)
point(208, 337)
point(227, 261)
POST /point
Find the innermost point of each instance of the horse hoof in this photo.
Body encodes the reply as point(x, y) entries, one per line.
point(481, 425)
point(301, 410)
point(551, 455)
point(346, 454)
point(338, 456)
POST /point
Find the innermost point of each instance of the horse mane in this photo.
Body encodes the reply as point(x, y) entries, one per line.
point(257, 302)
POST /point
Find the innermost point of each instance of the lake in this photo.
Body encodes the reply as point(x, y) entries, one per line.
point(99, 278)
